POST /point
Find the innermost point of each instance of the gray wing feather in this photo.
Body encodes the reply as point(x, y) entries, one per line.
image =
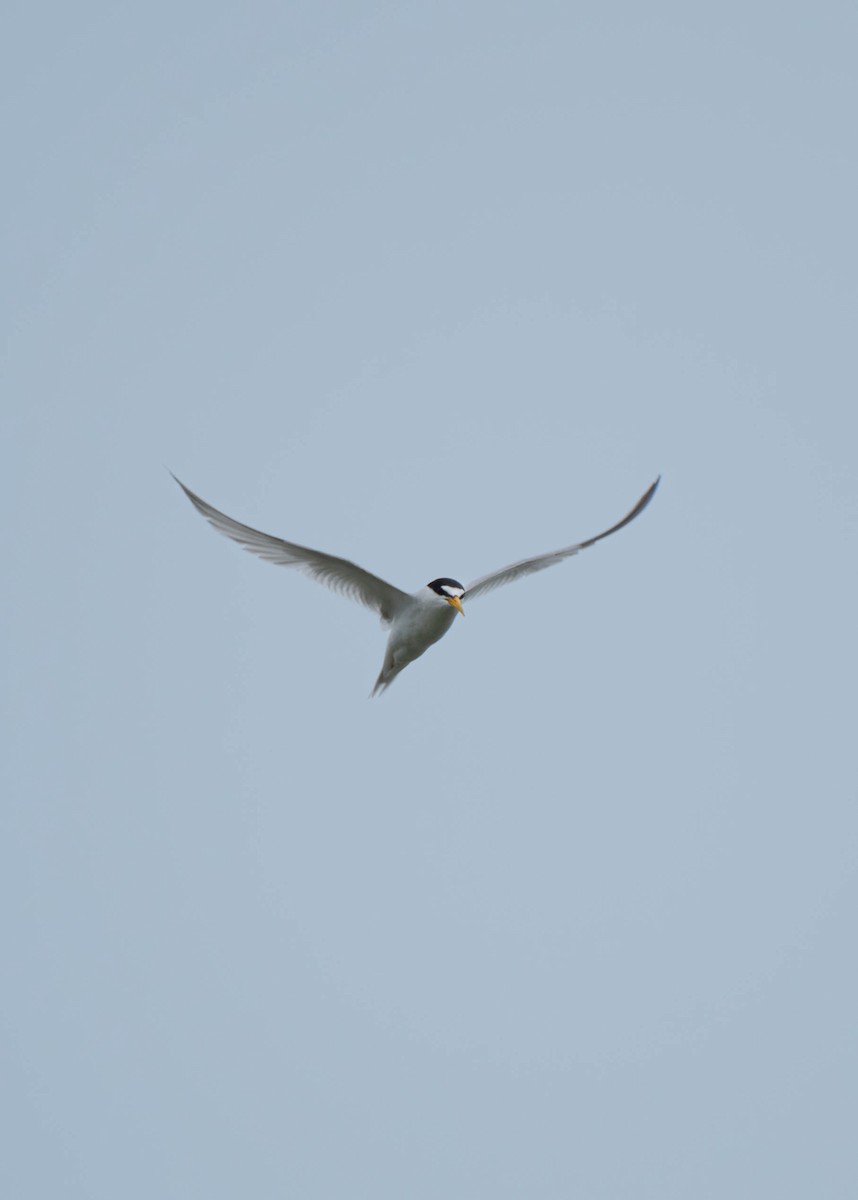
point(336, 573)
point(527, 566)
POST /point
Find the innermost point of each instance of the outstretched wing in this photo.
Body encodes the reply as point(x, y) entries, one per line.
point(527, 566)
point(336, 573)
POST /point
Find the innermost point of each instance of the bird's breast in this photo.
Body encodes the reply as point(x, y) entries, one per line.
point(417, 630)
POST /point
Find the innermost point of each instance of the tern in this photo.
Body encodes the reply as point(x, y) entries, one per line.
point(417, 620)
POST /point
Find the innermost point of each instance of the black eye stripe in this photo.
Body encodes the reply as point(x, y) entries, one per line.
point(448, 588)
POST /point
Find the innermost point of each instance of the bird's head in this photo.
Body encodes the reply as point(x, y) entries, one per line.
point(449, 591)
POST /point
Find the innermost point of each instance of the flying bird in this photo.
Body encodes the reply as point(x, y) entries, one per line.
point(416, 620)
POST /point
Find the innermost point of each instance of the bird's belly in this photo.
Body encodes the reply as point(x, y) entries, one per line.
point(420, 632)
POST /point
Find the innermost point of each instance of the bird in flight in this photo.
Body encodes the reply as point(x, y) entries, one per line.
point(416, 620)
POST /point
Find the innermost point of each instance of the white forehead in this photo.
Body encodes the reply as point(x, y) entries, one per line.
point(452, 591)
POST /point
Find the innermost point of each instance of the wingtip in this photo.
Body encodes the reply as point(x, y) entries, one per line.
point(191, 496)
point(649, 493)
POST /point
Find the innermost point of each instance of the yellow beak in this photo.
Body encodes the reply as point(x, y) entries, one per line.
point(456, 603)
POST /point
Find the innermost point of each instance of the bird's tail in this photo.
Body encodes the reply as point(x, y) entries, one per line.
point(388, 673)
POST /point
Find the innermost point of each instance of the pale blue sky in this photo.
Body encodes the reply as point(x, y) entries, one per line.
point(570, 911)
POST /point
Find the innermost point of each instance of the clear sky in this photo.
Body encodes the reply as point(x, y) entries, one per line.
point(569, 911)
